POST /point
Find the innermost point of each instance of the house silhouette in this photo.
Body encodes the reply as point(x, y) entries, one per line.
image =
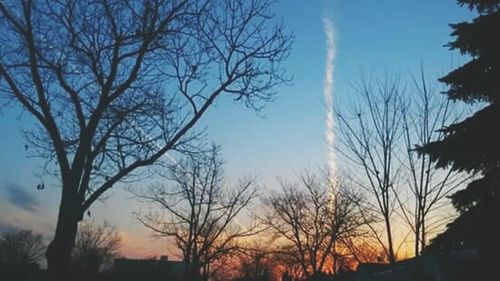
point(147, 269)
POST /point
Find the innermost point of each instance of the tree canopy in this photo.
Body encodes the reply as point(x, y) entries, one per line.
point(472, 145)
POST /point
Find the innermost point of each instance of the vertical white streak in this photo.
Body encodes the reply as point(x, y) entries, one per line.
point(328, 93)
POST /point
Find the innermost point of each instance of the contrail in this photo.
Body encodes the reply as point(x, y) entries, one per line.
point(328, 93)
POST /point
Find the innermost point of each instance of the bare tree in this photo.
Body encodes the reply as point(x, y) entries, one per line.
point(21, 251)
point(312, 221)
point(370, 136)
point(22, 247)
point(257, 260)
point(95, 247)
point(200, 212)
point(116, 84)
point(423, 117)
point(380, 138)
point(255, 266)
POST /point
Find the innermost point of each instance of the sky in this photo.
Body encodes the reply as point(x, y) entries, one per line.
point(379, 37)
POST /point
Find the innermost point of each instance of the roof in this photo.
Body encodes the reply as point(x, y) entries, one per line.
point(147, 269)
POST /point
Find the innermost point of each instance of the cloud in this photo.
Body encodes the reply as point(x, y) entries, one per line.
point(17, 196)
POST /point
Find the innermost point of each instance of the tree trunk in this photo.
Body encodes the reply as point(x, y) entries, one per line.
point(192, 270)
point(417, 236)
point(392, 258)
point(59, 251)
point(187, 269)
point(423, 236)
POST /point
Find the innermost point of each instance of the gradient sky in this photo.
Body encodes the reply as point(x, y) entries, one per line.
point(376, 36)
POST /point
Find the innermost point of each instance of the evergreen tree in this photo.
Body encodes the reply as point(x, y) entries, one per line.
point(473, 144)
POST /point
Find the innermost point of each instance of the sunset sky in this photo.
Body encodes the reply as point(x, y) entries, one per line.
point(375, 36)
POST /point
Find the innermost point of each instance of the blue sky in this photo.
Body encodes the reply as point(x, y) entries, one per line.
point(377, 36)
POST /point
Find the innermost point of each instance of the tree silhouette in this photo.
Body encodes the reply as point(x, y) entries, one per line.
point(114, 85)
point(389, 119)
point(95, 247)
point(21, 247)
point(423, 115)
point(20, 254)
point(313, 222)
point(472, 145)
point(370, 136)
point(200, 212)
point(256, 262)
